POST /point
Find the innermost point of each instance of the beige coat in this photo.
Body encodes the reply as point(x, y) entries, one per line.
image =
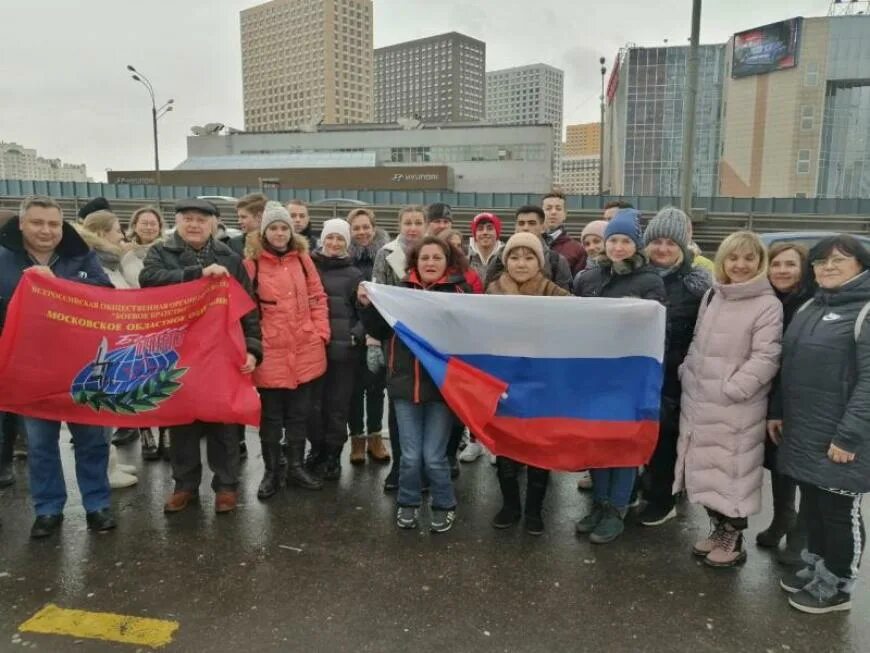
point(726, 378)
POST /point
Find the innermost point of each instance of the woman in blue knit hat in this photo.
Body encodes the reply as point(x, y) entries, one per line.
point(623, 271)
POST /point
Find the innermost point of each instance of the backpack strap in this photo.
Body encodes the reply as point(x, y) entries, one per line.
point(859, 322)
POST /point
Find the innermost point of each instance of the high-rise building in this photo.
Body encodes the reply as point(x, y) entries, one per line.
point(582, 140)
point(531, 94)
point(307, 61)
point(643, 139)
point(580, 174)
point(17, 162)
point(435, 79)
point(798, 125)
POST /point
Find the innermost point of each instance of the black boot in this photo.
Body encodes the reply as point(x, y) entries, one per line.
point(124, 436)
point(271, 482)
point(150, 444)
point(7, 443)
point(536, 490)
point(511, 509)
point(164, 443)
point(315, 459)
point(784, 515)
point(795, 543)
point(243, 445)
point(391, 483)
point(330, 470)
point(296, 473)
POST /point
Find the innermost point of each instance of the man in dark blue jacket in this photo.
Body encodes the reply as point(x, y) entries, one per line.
point(41, 241)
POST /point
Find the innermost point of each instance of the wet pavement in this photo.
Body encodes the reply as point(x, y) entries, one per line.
point(328, 571)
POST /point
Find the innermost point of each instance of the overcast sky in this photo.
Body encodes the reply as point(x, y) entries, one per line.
point(64, 89)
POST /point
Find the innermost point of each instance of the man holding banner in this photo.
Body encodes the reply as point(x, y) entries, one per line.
point(189, 254)
point(41, 243)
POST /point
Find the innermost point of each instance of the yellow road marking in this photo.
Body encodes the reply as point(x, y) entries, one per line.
point(54, 620)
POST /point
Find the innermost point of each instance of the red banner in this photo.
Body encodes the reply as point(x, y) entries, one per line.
point(156, 357)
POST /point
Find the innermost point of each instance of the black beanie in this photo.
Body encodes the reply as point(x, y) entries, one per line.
point(96, 204)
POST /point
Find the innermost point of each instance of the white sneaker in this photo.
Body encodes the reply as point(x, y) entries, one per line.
point(117, 478)
point(584, 481)
point(127, 469)
point(472, 451)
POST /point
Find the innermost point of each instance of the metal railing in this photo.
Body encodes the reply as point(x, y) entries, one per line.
point(767, 205)
point(708, 233)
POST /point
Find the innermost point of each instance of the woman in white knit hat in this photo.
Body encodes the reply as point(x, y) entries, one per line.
point(295, 323)
point(327, 426)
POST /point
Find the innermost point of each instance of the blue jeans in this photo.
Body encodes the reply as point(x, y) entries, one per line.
point(613, 485)
point(424, 430)
point(47, 485)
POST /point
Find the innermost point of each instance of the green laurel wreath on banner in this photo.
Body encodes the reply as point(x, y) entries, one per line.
point(147, 396)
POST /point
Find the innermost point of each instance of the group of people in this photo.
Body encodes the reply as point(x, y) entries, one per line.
point(767, 364)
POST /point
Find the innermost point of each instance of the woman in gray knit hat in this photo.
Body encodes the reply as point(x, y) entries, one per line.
point(667, 242)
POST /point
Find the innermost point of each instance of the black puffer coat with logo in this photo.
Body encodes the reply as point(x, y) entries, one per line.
point(825, 390)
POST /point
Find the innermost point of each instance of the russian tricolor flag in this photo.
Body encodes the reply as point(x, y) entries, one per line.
point(556, 382)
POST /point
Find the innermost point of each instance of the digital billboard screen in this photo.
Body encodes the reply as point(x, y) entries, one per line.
point(766, 49)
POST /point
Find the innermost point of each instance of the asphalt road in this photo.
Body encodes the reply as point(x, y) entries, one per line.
point(328, 571)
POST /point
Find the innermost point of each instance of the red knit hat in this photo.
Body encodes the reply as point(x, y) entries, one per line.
point(492, 218)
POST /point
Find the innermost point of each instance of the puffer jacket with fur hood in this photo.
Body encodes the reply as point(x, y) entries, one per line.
point(111, 258)
point(293, 315)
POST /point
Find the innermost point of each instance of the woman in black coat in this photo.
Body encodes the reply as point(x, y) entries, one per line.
point(788, 276)
point(332, 392)
point(667, 245)
point(822, 419)
point(366, 417)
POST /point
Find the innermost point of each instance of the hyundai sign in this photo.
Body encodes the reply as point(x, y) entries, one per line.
point(766, 49)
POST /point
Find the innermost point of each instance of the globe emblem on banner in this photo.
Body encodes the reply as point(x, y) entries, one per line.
point(132, 379)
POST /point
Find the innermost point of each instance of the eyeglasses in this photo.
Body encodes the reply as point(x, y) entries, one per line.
point(836, 261)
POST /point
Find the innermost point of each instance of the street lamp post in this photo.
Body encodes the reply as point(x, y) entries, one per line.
point(689, 104)
point(156, 113)
point(601, 133)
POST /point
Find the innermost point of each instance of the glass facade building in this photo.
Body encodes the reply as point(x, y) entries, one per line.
point(653, 150)
point(844, 156)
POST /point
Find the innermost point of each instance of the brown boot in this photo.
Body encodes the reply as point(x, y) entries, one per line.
point(179, 500)
point(377, 450)
point(357, 450)
point(225, 501)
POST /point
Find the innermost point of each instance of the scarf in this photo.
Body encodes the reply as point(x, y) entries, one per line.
point(537, 286)
point(623, 267)
point(204, 256)
point(108, 259)
point(267, 246)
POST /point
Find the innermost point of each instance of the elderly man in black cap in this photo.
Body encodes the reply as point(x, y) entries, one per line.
point(192, 253)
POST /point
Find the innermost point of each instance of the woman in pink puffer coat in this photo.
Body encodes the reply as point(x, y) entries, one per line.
point(726, 378)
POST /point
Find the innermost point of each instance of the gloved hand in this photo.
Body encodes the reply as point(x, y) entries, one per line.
point(375, 358)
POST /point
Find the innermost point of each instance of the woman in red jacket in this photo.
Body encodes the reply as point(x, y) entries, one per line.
point(295, 322)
